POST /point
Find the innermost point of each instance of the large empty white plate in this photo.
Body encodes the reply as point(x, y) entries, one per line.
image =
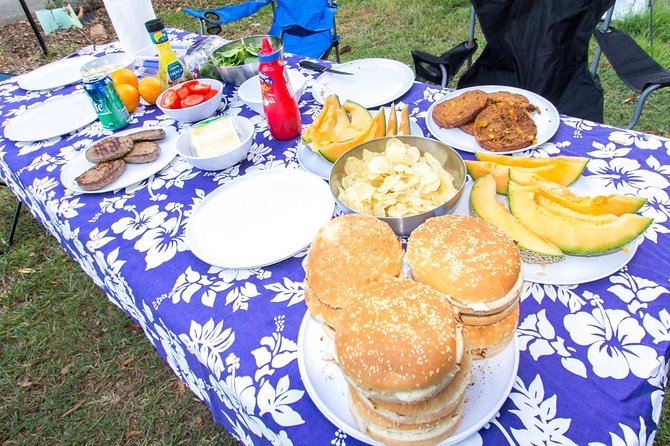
point(374, 82)
point(573, 269)
point(491, 383)
point(259, 218)
point(53, 117)
point(546, 120)
point(55, 74)
point(134, 173)
point(319, 166)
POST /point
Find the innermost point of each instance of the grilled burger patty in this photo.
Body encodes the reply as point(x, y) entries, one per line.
point(101, 175)
point(148, 135)
point(109, 149)
point(505, 126)
point(143, 152)
point(460, 110)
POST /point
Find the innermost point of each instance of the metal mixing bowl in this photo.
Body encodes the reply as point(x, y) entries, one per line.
point(237, 75)
point(448, 157)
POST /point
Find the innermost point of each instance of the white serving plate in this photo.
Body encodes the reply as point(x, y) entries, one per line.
point(133, 174)
point(573, 269)
point(54, 117)
point(56, 74)
point(547, 121)
point(259, 218)
point(374, 82)
point(492, 381)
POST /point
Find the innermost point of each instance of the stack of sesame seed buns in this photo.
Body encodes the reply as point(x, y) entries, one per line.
point(401, 350)
point(348, 251)
point(478, 268)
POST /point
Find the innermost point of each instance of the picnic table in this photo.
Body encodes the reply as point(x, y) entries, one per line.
point(593, 357)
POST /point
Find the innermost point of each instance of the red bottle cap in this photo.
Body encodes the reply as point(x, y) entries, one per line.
point(267, 53)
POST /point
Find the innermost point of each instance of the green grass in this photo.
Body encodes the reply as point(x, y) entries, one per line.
point(74, 371)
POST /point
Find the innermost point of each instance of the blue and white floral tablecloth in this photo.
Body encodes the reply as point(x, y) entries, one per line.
point(593, 357)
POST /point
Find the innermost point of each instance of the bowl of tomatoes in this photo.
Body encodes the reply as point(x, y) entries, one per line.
point(191, 101)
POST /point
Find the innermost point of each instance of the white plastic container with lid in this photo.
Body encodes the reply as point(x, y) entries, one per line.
point(128, 18)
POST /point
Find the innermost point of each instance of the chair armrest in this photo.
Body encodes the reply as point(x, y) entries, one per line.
point(227, 14)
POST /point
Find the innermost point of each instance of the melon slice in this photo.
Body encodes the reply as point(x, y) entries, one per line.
point(616, 204)
point(478, 169)
point(403, 125)
point(572, 235)
point(524, 162)
point(334, 150)
point(360, 116)
point(331, 103)
point(533, 249)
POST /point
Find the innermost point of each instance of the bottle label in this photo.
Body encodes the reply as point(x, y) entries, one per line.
point(159, 36)
point(175, 70)
point(265, 79)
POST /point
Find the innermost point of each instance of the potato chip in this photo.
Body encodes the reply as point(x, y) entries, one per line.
point(395, 183)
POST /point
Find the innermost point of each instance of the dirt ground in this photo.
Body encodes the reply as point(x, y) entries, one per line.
point(20, 50)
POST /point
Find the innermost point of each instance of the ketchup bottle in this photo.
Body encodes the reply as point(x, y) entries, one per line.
point(279, 102)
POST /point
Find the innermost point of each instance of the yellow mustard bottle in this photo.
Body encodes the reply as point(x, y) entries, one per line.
point(171, 70)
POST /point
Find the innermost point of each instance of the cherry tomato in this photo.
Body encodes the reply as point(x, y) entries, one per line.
point(200, 88)
point(170, 99)
point(192, 100)
point(183, 91)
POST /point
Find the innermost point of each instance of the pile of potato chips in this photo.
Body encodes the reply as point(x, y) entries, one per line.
point(395, 183)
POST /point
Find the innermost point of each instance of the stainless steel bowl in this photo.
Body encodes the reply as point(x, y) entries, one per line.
point(237, 75)
point(448, 157)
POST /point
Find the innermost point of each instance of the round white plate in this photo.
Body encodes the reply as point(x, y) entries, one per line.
point(133, 174)
point(546, 120)
point(319, 166)
point(492, 381)
point(259, 218)
point(374, 82)
point(53, 117)
point(573, 269)
point(55, 74)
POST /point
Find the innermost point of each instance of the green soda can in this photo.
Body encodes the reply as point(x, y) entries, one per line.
point(106, 102)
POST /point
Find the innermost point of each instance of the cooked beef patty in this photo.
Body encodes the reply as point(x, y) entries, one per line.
point(109, 149)
point(148, 135)
point(459, 110)
point(505, 126)
point(101, 175)
point(143, 152)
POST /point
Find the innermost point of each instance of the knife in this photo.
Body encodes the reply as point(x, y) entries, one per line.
point(318, 67)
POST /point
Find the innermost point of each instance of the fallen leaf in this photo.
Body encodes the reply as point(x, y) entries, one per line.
point(131, 434)
point(26, 270)
point(198, 420)
point(181, 388)
point(65, 370)
point(629, 99)
point(127, 362)
point(73, 409)
point(131, 325)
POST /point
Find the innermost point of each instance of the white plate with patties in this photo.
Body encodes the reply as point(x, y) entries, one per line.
point(133, 173)
point(573, 269)
point(491, 382)
point(546, 120)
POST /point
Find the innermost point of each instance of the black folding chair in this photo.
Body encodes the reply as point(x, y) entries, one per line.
point(636, 69)
point(541, 46)
point(442, 69)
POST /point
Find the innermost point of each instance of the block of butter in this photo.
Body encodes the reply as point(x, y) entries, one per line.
point(214, 136)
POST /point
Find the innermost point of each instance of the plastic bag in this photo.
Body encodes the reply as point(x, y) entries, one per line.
point(197, 56)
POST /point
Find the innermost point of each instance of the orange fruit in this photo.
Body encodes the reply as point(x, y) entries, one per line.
point(124, 76)
point(149, 88)
point(129, 95)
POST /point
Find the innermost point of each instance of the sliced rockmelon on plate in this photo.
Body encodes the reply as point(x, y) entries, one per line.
point(533, 248)
point(360, 116)
point(334, 150)
point(518, 161)
point(478, 169)
point(576, 236)
point(616, 204)
point(323, 120)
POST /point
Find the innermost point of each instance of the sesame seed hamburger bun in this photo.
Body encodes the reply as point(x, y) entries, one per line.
point(400, 434)
point(475, 319)
point(322, 312)
point(485, 341)
point(471, 261)
point(444, 403)
point(350, 250)
point(398, 341)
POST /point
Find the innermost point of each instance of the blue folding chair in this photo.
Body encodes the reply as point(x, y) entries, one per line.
point(307, 27)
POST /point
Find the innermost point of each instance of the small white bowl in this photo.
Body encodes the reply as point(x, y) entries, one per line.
point(197, 112)
point(250, 90)
point(224, 160)
point(107, 64)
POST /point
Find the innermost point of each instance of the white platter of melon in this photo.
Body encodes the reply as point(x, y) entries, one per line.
point(363, 125)
point(567, 235)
